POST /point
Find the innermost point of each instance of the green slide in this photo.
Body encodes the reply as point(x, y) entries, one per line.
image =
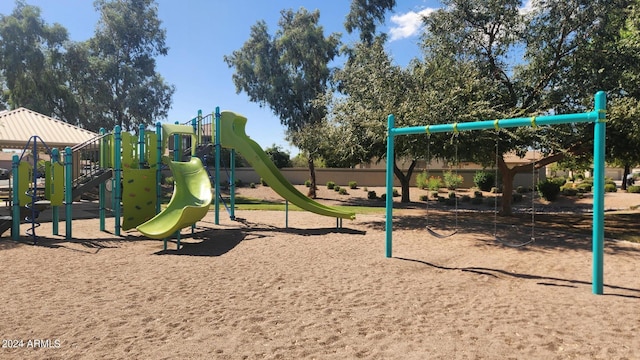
point(189, 203)
point(233, 136)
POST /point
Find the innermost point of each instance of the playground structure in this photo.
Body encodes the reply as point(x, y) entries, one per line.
point(597, 116)
point(127, 169)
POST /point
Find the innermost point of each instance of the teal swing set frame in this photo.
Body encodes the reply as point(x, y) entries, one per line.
point(596, 116)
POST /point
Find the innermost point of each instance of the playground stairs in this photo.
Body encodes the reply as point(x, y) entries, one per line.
point(87, 183)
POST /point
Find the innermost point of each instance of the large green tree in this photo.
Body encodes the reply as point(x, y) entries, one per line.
point(365, 15)
point(119, 84)
point(288, 72)
point(526, 56)
point(31, 58)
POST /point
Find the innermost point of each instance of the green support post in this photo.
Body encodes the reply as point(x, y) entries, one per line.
point(55, 215)
point(217, 146)
point(68, 194)
point(117, 172)
point(15, 199)
point(102, 188)
point(598, 192)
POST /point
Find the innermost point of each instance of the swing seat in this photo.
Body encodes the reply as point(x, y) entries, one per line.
point(440, 236)
point(515, 244)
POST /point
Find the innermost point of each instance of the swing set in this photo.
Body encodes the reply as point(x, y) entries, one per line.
point(596, 116)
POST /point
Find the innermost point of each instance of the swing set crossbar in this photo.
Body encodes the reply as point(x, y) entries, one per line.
point(597, 116)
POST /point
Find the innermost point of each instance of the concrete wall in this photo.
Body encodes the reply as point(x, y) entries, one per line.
point(363, 177)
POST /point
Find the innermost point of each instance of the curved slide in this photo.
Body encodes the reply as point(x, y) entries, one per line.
point(189, 203)
point(233, 136)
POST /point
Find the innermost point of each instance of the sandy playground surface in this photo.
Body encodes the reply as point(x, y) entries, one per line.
point(253, 289)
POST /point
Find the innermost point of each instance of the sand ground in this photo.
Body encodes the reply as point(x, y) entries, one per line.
point(252, 289)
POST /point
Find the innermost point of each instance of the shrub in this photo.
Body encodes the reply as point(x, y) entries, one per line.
point(465, 198)
point(383, 197)
point(608, 187)
point(353, 185)
point(495, 190)
point(424, 197)
point(264, 183)
point(484, 180)
point(307, 183)
point(549, 189)
point(343, 191)
point(633, 189)
point(477, 194)
point(584, 187)
point(371, 195)
point(422, 180)
point(239, 183)
point(558, 180)
point(395, 193)
point(365, 189)
point(434, 194)
point(522, 190)
point(434, 183)
point(330, 185)
point(452, 180)
point(452, 194)
point(569, 191)
point(336, 188)
point(516, 197)
point(252, 185)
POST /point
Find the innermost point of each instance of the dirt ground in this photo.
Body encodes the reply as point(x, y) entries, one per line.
point(253, 289)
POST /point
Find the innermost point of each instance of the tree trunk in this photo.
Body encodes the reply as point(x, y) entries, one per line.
point(405, 180)
point(627, 171)
point(312, 174)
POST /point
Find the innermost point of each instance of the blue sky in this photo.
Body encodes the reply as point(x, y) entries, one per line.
point(201, 32)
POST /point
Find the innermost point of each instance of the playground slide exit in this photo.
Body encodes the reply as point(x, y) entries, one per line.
point(233, 136)
point(189, 202)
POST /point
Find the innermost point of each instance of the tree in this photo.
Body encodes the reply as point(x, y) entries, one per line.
point(488, 34)
point(287, 72)
point(436, 90)
point(31, 54)
point(120, 85)
point(364, 14)
point(280, 158)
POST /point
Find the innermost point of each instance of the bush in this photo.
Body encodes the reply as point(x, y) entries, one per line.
point(465, 198)
point(434, 194)
point(549, 189)
point(353, 185)
point(383, 197)
point(371, 195)
point(495, 190)
point(522, 190)
point(395, 193)
point(424, 197)
point(434, 183)
point(477, 194)
point(452, 194)
point(422, 180)
point(264, 183)
point(584, 187)
point(484, 180)
point(608, 187)
point(633, 189)
point(516, 197)
point(330, 185)
point(558, 180)
point(569, 191)
point(452, 180)
point(252, 185)
point(336, 188)
point(343, 191)
point(307, 183)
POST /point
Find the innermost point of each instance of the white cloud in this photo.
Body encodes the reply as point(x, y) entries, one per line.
point(408, 24)
point(527, 7)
